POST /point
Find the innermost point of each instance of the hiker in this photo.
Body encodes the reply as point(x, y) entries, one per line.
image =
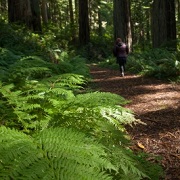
point(121, 51)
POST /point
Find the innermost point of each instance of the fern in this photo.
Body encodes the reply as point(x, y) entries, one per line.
point(36, 102)
point(52, 154)
point(67, 81)
point(159, 63)
point(129, 166)
point(95, 113)
point(79, 65)
point(7, 58)
point(27, 68)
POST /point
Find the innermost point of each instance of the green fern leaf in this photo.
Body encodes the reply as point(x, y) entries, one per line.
point(54, 153)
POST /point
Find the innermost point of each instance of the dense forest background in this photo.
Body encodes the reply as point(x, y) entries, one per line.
point(53, 126)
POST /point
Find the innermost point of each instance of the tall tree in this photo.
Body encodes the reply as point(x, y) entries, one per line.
point(84, 31)
point(141, 22)
point(122, 21)
point(163, 23)
point(26, 12)
point(71, 15)
point(35, 18)
point(44, 12)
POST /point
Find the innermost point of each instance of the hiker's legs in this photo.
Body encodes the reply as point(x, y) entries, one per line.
point(122, 62)
point(122, 70)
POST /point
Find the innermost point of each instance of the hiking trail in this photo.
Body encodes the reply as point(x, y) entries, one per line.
point(154, 102)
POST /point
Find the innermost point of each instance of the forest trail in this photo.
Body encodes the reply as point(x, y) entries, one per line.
point(154, 102)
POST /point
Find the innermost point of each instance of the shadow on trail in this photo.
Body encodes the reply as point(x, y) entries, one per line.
point(155, 103)
point(159, 121)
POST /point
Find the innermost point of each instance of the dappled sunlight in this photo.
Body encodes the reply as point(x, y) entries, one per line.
point(156, 103)
point(146, 95)
point(98, 72)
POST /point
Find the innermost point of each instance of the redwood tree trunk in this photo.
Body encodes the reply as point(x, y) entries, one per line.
point(36, 21)
point(44, 12)
point(163, 24)
point(26, 12)
point(84, 34)
point(122, 21)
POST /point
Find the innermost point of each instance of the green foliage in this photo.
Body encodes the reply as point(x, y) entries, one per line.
point(52, 154)
point(35, 85)
point(159, 63)
point(140, 12)
point(62, 153)
point(109, 63)
point(17, 38)
point(156, 170)
point(27, 68)
point(79, 66)
point(69, 134)
point(18, 69)
point(7, 58)
point(95, 113)
point(51, 101)
point(30, 107)
point(98, 49)
point(129, 169)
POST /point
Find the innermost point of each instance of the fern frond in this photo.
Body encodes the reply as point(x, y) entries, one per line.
point(100, 99)
point(128, 164)
point(95, 113)
point(118, 115)
point(29, 67)
point(67, 81)
point(54, 153)
point(89, 105)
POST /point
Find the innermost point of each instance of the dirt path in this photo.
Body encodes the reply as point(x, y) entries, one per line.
point(154, 102)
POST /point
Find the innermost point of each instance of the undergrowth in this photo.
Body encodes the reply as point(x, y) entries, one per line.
point(158, 63)
point(50, 129)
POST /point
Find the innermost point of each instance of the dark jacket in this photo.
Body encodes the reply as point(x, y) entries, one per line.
point(121, 50)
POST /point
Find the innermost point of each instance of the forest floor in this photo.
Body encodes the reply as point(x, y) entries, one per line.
point(154, 102)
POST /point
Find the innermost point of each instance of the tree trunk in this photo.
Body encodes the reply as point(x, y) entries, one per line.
point(163, 24)
point(178, 15)
point(25, 12)
point(71, 13)
point(148, 25)
point(84, 34)
point(122, 21)
point(44, 12)
point(36, 21)
point(14, 10)
point(76, 10)
point(99, 23)
point(72, 25)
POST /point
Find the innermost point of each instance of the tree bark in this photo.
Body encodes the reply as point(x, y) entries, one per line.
point(44, 12)
point(36, 21)
point(84, 31)
point(25, 12)
point(122, 21)
point(163, 24)
point(71, 13)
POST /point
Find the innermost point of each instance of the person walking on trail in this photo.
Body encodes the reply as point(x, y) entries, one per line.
point(121, 51)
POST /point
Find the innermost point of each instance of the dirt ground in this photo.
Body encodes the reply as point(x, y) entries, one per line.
point(154, 102)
